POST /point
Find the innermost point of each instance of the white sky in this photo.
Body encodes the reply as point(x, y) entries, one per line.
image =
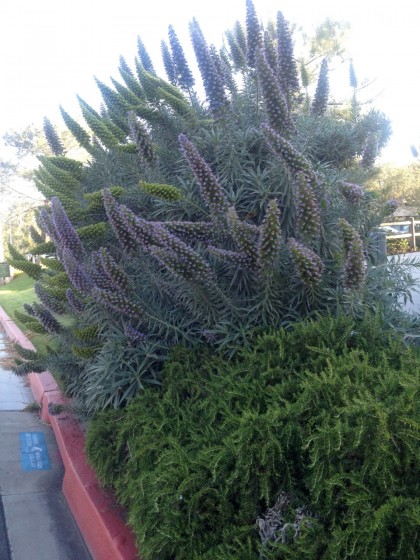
point(51, 49)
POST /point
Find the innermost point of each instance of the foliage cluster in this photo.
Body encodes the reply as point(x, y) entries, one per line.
point(195, 222)
point(305, 445)
point(401, 183)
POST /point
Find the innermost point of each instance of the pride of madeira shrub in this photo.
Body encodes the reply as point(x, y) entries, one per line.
point(305, 445)
point(194, 222)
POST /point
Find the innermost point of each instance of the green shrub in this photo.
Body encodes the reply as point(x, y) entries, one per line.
point(397, 246)
point(310, 435)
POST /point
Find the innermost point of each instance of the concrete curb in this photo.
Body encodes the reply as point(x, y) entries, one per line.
point(99, 518)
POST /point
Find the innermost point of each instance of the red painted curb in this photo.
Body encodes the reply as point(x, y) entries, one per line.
point(98, 516)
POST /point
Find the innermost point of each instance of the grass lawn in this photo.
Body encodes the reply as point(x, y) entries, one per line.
point(12, 297)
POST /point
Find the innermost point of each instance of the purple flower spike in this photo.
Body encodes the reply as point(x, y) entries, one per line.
point(308, 265)
point(77, 273)
point(351, 192)
point(77, 305)
point(68, 238)
point(270, 239)
point(211, 191)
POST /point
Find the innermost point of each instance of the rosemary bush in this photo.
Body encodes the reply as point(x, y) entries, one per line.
point(305, 445)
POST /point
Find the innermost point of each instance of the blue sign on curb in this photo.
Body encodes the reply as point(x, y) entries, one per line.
point(33, 452)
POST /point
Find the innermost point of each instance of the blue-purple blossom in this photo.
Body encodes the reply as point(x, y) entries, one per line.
point(134, 335)
point(275, 101)
point(288, 74)
point(183, 74)
point(77, 272)
point(293, 160)
point(355, 265)
point(390, 206)
point(168, 62)
point(68, 238)
point(118, 302)
point(47, 320)
point(308, 265)
point(320, 101)
point(47, 225)
point(212, 81)
point(141, 138)
point(210, 189)
point(192, 232)
point(178, 257)
point(243, 234)
point(114, 273)
point(77, 305)
point(351, 192)
point(48, 300)
point(253, 33)
point(308, 218)
point(269, 239)
point(348, 233)
point(118, 222)
point(236, 258)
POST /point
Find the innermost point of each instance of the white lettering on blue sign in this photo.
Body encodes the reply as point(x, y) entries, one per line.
point(33, 451)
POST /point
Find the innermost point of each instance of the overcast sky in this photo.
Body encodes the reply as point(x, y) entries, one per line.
point(50, 50)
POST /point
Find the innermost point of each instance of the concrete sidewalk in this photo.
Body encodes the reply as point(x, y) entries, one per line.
point(35, 521)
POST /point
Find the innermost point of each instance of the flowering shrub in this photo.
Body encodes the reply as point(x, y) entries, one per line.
point(196, 221)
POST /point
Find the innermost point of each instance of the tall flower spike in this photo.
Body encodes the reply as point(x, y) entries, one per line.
point(117, 301)
point(212, 81)
point(348, 233)
point(134, 335)
point(237, 55)
point(53, 139)
point(270, 52)
point(168, 62)
point(66, 233)
point(351, 192)
point(320, 101)
point(288, 74)
point(235, 258)
point(183, 73)
point(269, 239)
point(178, 257)
point(253, 33)
point(211, 191)
point(47, 320)
point(78, 274)
point(144, 57)
point(354, 265)
point(191, 232)
point(118, 223)
point(48, 300)
point(294, 161)
point(244, 235)
point(354, 268)
point(275, 103)
point(117, 277)
point(307, 211)
point(77, 305)
point(78, 132)
point(141, 138)
point(47, 225)
point(308, 265)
